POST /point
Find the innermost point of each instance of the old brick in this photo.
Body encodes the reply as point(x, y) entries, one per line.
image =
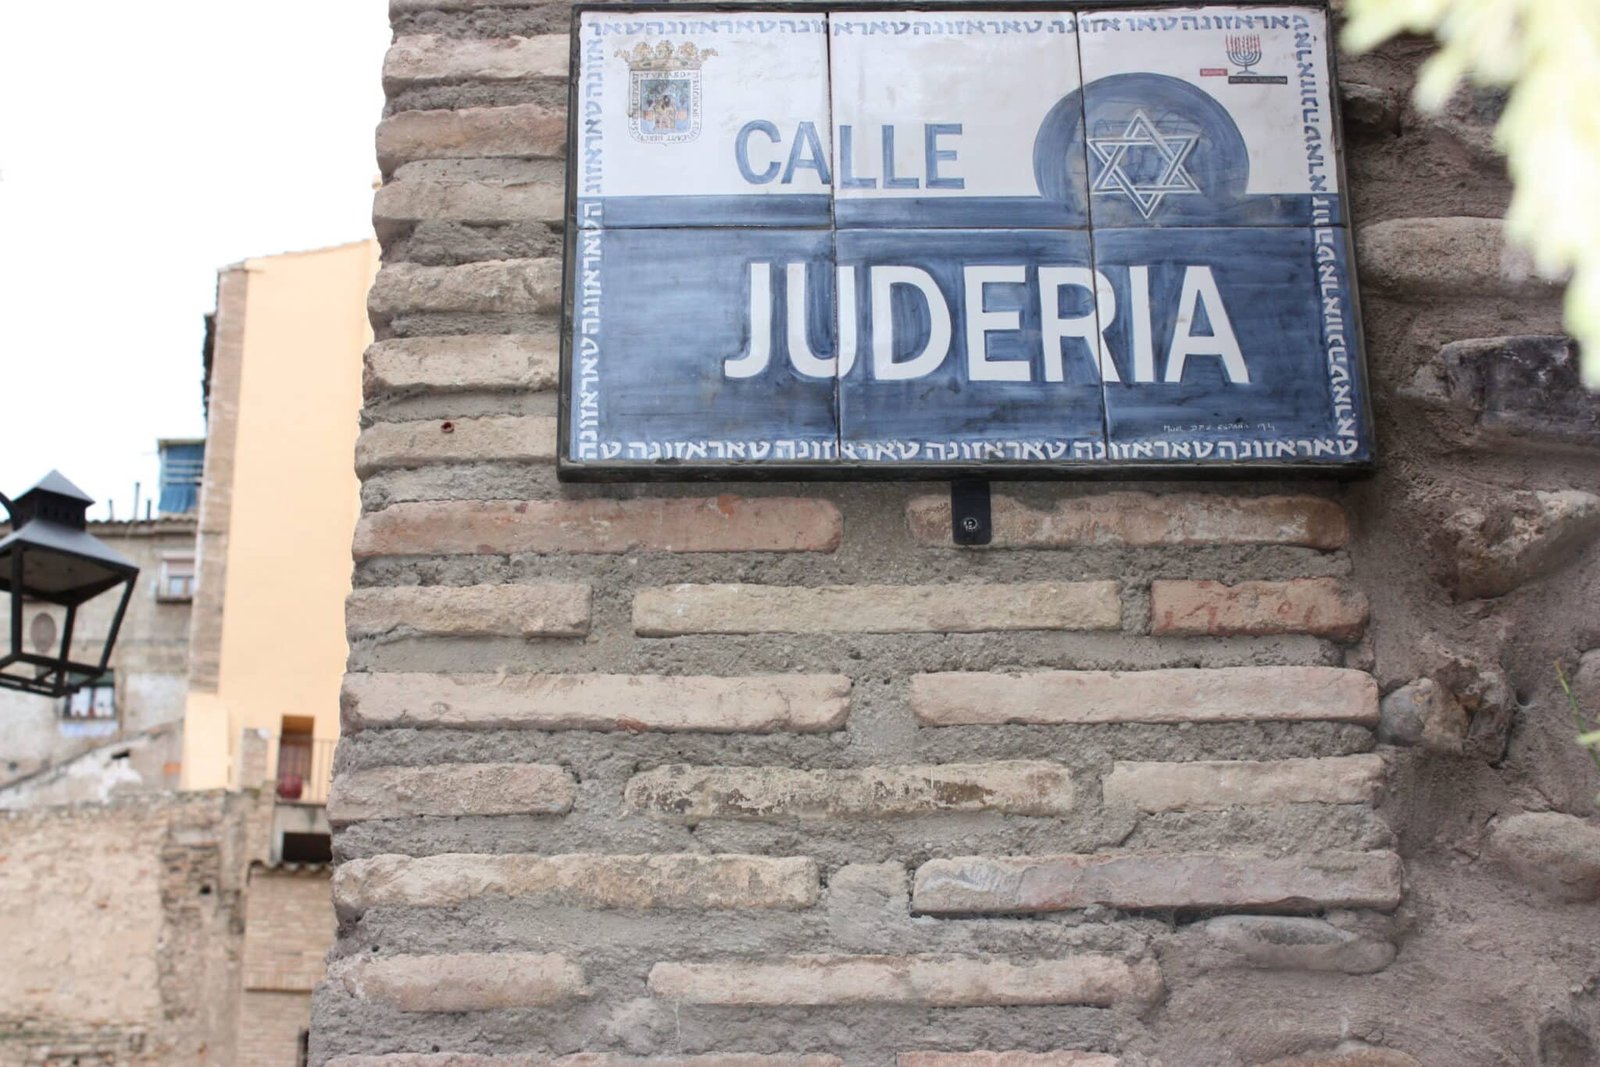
point(466, 981)
point(410, 7)
point(504, 438)
point(1184, 881)
point(534, 199)
point(498, 527)
point(894, 609)
point(1142, 520)
point(1211, 784)
point(1228, 694)
point(1325, 607)
point(450, 364)
point(1443, 256)
point(802, 703)
point(680, 882)
point(450, 789)
point(531, 286)
point(933, 981)
point(1058, 1058)
point(1362, 1056)
point(524, 131)
point(1017, 787)
point(427, 58)
point(584, 1059)
point(1283, 942)
point(542, 610)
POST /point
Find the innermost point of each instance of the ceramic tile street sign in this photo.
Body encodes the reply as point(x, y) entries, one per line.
point(1026, 242)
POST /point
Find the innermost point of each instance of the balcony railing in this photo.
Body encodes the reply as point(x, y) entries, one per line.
point(301, 768)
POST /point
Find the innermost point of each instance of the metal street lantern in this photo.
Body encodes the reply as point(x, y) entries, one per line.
point(51, 561)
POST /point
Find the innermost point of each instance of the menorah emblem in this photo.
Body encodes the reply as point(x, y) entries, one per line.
point(1245, 51)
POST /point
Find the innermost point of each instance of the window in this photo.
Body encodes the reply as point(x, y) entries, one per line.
point(92, 703)
point(176, 581)
point(182, 467)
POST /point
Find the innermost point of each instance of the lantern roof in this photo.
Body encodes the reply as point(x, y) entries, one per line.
point(62, 562)
point(56, 482)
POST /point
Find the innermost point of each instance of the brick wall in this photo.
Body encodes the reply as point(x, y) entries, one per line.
point(289, 926)
point(270, 1028)
point(775, 775)
point(216, 495)
point(123, 922)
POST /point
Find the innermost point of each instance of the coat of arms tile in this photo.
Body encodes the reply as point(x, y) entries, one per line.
point(664, 91)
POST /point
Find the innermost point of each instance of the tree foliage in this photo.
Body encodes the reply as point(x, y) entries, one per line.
point(1547, 53)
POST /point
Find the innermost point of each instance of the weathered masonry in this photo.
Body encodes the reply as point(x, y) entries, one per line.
point(774, 775)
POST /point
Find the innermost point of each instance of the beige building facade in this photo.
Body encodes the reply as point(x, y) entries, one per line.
point(277, 507)
point(189, 925)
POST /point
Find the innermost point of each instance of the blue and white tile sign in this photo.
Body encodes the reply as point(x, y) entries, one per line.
point(1029, 241)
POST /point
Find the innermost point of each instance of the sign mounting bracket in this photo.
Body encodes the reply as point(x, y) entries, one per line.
point(970, 522)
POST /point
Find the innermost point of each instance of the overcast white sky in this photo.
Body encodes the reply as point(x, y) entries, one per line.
point(143, 146)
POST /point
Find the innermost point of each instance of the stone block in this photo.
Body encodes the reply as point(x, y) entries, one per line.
point(1585, 683)
point(1179, 695)
point(1490, 551)
point(874, 884)
point(1423, 713)
point(584, 1059)
point(1057, 1058)
point(542, 610)
point(1145, 520)
point(1455, 256)
point(409, 200)
point(681, 882)
point(1489, 700)
point(461, 982)
point(490, 439)
point(1285, 943)
point(521, 131)
point(1558, 854)
point(1014, 787)
point(799, 703)
point(676, 524)
point(1349, 1056)
point(1369, 109)
point(1211, 784)
point(413, 7)
point(894, 609)
point(489, 362)
point(516, 286)
point(930, 981)
point(1323, 607)
point(450, 789)
point(1196, 881)
point(430, 58)
point(1523, 390)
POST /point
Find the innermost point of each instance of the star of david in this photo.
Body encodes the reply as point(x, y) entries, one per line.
point(1171, 151)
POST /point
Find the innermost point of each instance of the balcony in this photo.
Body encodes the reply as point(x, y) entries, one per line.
point(300, 768)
